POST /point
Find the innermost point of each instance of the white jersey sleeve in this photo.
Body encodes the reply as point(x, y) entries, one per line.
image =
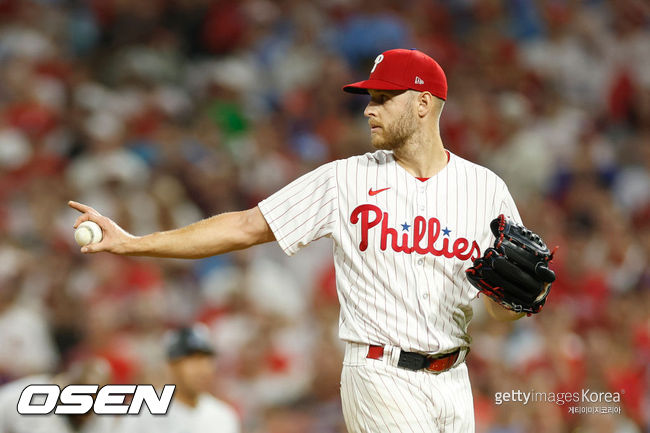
point(503, 204)
point(304, 210)
point(506, 204)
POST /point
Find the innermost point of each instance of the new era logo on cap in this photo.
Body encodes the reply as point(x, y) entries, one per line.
point(402, 69)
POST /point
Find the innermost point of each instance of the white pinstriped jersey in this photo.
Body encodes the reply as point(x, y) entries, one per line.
point(401, 245)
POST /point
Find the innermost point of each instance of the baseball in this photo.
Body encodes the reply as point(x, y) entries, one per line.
point(88, 232)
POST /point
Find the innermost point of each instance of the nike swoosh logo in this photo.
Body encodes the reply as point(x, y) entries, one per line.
point(371, 192)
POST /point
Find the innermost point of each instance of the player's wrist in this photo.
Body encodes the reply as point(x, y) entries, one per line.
point(499, 312)
point(512, 315)
point(130, 245)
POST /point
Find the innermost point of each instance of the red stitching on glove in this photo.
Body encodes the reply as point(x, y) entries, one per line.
point(502, 226)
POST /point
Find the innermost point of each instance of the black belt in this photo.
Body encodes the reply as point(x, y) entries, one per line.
point(417, 361)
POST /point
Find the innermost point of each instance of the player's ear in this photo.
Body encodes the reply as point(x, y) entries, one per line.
point(429, 105)
point(424, 101)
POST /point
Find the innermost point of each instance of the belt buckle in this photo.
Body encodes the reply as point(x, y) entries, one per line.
point(443, 362)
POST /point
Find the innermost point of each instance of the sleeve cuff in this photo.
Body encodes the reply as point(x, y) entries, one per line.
point(274, 228)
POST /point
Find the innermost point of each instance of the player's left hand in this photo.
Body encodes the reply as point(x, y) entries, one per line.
point(515, 272)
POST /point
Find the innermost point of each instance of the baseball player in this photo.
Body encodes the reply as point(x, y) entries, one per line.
point(191, 361)
point(416, 231)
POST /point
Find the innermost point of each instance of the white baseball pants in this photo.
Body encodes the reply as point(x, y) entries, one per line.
point(379, 397)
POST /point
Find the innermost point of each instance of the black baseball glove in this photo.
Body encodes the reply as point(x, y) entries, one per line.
point(515, 272)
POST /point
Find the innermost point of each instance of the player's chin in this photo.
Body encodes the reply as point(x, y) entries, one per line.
point(378, 142)
point(382, 144)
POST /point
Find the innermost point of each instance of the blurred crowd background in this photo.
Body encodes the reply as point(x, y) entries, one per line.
point(162, 112)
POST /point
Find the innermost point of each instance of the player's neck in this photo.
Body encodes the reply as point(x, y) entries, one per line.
point(422, 156)
point(189, 399)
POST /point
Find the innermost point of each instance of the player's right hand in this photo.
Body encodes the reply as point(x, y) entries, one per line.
point(114, 238)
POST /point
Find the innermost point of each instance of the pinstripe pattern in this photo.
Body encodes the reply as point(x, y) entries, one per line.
point(402, 294)
point(380, 398)
point(419, 302)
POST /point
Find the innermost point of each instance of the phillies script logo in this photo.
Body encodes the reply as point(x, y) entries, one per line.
point(424, 232)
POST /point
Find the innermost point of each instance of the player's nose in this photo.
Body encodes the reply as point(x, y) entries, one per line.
point(370, 110)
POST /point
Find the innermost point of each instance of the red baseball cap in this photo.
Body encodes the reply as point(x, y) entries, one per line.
point(402, 69)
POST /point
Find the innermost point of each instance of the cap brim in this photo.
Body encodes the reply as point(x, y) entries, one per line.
point(182, 353)
point(361, 87)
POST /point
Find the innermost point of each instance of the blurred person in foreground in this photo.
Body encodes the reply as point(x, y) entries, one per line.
point(93, 371)
point(190, 357)
point(407, 223)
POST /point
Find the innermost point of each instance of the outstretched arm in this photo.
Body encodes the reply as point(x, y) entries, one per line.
point(215, 235)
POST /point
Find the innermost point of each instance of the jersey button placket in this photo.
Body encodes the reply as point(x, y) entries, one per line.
point(421, 198)
point(420, 260)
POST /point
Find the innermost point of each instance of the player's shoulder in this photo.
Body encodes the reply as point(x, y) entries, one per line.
point(218, 408)
point(480, 172)
point(370, 159)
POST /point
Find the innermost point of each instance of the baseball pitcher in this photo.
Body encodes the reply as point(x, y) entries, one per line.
point(418, 233)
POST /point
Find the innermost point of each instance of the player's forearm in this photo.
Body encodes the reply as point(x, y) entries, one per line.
point(215, 235)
